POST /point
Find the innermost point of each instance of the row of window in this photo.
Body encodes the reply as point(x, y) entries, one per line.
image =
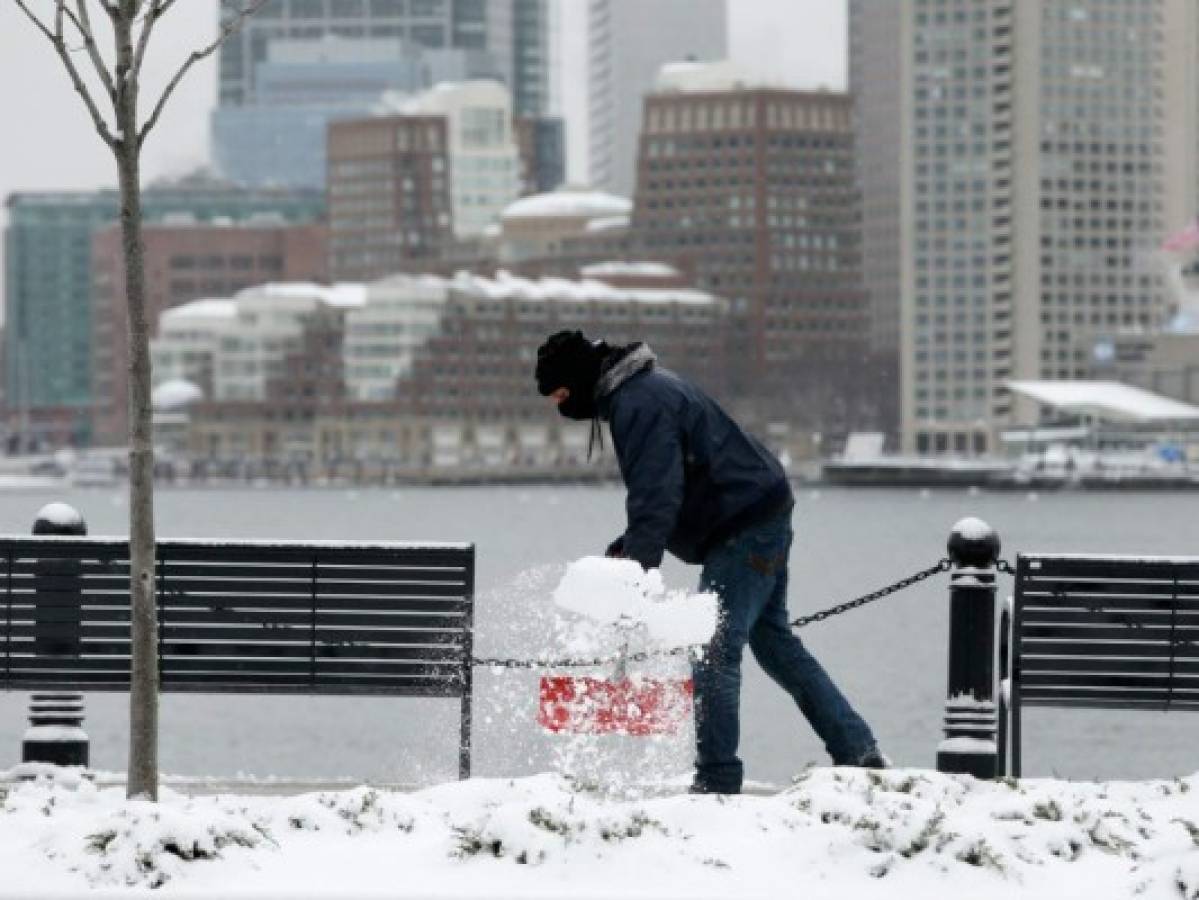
point(351, 9)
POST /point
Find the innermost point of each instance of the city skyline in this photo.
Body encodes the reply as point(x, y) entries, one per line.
point(800, 43)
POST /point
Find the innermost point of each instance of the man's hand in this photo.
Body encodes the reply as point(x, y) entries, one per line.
point(616, 549)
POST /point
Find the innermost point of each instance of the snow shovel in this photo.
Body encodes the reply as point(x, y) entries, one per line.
point(623, 704)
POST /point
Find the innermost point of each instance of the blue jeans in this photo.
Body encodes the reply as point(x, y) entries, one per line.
point(749, 574)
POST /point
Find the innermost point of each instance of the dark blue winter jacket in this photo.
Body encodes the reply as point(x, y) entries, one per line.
point(694, 477)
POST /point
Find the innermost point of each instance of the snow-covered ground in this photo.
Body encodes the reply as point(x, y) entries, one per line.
point(835, 833)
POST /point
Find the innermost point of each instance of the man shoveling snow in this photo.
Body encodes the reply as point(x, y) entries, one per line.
point(703, 489)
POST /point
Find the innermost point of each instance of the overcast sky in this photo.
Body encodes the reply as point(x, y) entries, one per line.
point(48, 142)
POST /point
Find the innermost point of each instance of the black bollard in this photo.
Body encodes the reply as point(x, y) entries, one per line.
point(970, 745)
point(56, 734)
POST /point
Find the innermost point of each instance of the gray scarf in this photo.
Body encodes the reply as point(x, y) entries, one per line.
point(625, 368)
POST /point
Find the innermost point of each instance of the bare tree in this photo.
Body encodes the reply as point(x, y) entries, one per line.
point(68, 27)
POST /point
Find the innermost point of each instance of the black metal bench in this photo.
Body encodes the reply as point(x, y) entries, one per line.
point(1098, 631)
point(245, 617)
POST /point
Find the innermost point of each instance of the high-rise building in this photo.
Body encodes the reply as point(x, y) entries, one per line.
point(483, 29)
point(532, 61)
point(389, 195)
point(541, 142)
point(48, 287)
point(302, 86)
point(298, 65)
point(1044, 150)
point(184, 261)
point(752, 190)
point(628, 42)
point(874, 84)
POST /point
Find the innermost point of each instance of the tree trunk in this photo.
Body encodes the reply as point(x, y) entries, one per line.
point(143, 676)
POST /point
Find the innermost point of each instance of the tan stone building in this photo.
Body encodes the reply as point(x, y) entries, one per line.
point(1044, 151)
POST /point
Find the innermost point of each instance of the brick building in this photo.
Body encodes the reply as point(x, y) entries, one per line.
point(184, 261)
point(752, 189)
point(389, 195)
point(464, 396)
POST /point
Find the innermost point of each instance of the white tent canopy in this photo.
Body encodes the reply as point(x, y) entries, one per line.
point(1106, 400)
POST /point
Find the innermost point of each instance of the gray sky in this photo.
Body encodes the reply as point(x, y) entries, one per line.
point(49, 143)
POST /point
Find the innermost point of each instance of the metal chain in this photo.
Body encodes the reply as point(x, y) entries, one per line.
point(1005, 567)
point(581, 663)
point(942, 565)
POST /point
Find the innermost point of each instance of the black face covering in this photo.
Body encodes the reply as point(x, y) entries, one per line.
point(569, 360)
point(579, 405)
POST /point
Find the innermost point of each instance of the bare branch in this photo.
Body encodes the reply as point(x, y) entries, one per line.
point(59, 44)
point(35, 20)
point(157, 10)
point(83, 23)
point(229, 28)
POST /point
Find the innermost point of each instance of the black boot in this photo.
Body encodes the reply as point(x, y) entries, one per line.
point(874, 759)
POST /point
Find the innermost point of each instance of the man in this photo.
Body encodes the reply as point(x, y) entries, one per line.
point(702, 488)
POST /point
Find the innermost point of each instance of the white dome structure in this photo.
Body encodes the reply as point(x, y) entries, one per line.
point(568, 203)
point(175, 395)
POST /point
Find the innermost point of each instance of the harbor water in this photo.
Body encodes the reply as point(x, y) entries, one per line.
point(889, 657)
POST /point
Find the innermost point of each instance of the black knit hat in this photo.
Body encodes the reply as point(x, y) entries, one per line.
point(568, 359)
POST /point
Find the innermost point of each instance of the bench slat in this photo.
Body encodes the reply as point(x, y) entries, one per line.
point(408, 687)
point(444, 618)
point(172, 586)
point(1107, 648)
point(1106, 587)
point(1084, 701)
point(1134, 631)
point(175, 568)
point(1116, 615)
point(1163, 664)
point(1100, 680)
point(1111, 566)
point(348, 555)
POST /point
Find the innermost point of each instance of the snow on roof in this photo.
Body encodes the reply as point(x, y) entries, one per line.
point(208, 308)
point(568, 203)
point(505, 286)
point(347, 294)
point(1105, 400)
point(629, 268)
point(720, 75)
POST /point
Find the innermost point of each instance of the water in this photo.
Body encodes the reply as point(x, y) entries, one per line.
point(889, 657)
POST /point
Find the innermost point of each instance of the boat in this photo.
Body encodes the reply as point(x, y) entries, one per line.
point(865, 464)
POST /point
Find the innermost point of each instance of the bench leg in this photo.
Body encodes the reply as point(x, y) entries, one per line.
point(1001, 737)
point(464, 738)
point(1017, 762)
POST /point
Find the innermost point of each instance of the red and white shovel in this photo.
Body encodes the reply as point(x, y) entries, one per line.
point(623, 704)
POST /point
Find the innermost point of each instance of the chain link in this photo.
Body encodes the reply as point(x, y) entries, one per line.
point(1005, 567)
point(942, 565)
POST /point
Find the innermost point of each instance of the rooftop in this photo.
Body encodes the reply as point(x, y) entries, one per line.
point(350, 294)
point(1107, 400)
